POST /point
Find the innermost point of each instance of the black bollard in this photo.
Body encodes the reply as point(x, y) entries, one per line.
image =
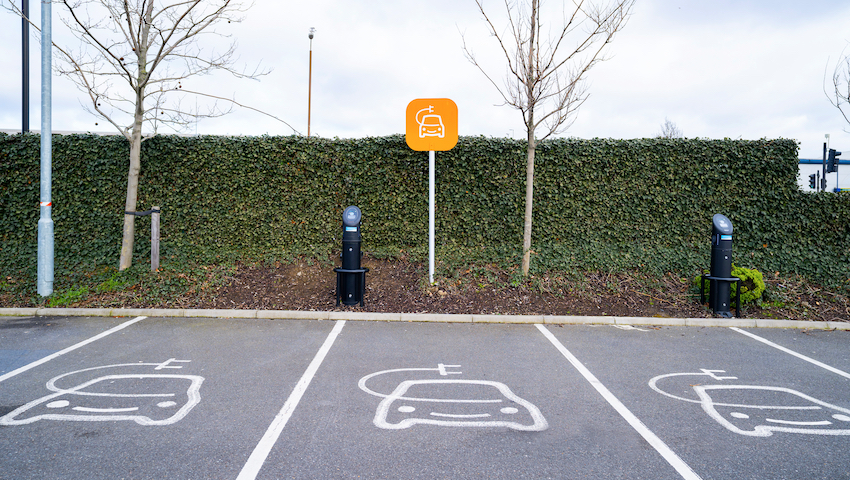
point(721, 265)
point(351, 278)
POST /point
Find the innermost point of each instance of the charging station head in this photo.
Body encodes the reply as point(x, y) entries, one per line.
point(351, 217)
point(721, 225)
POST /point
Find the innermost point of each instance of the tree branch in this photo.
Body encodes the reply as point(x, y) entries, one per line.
point(244, 106)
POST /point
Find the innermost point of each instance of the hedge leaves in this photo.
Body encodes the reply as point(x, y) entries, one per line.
point(600, 204)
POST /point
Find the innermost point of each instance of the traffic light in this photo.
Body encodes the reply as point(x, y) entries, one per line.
point(832, 161)
point(812, 181)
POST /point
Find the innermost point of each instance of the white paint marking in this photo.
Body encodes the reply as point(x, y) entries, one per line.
point(459, 397)
point(456, 415)
point(791, 352)
point(653, 384)
point(262, 450)
point(538, 421)
point(804, 424)
point(166, 364)
point(629, 327)
point(761, 430)
point(18, 417)
point(105, 410)
point(442, 369)
point(711, 373)
point(669, 455)
point(51, 384)
point(69, 349)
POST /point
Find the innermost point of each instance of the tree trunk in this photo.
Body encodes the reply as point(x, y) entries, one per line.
point(529, 197)
point(531, 101)
point(128, 233)
point(135, 138)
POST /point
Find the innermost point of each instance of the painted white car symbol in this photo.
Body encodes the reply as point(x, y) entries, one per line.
point(759, 411)
point(756, 410)
point(457, 403)
point(144, 398)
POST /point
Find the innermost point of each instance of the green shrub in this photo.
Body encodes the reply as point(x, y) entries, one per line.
point(752, 284)
point(68, 297)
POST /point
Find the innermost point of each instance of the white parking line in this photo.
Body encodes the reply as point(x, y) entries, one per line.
point(669, 455)
point(791, 352)
point(69, 349)
point(262, 450)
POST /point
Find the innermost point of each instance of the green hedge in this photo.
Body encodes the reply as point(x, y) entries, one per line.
point(600, 204)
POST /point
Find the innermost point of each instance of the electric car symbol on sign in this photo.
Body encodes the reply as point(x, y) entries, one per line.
point(431, 126)
point(457, 403)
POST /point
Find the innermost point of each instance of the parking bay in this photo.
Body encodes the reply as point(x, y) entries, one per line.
point(420, 400)
point(240, 370)
point(728, 404)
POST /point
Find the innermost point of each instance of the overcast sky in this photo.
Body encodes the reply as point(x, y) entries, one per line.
point(720, 68)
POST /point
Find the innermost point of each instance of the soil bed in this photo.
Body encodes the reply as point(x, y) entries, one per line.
point(400, 286)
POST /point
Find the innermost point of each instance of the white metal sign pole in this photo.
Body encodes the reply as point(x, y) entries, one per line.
point(436, 131)
point(431, 167)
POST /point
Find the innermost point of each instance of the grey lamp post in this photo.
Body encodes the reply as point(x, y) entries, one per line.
point(310, 80)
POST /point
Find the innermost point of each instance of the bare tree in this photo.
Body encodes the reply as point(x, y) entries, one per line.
point(669, 130)
point(839, 92)
point(545, 76)
point(133, 61)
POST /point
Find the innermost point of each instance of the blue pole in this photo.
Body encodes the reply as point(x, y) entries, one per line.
point(45, 222)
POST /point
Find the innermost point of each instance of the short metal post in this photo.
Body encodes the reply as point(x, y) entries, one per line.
point(154, 239)
point(738, 297)
point(363, 287)
point(338, 286)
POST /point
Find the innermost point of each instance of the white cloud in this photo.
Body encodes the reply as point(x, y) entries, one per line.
point(717, 69)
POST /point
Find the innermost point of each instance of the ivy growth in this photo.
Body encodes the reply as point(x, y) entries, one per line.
point(600, 204)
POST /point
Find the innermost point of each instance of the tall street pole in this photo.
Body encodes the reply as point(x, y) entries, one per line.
point(25, 67)
point(45, 222)
point(310, 80)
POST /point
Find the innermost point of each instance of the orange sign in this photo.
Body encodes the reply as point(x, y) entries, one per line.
point(431, 124)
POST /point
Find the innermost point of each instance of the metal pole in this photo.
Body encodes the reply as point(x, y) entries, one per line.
point(25, 67)
point(821, 186)
point(837, 162)
point(310, 80)
point(431, 167)
point(45, 222)
point(154, 238)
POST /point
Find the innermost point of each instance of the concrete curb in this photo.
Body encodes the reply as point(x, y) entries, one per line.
point(422, 317)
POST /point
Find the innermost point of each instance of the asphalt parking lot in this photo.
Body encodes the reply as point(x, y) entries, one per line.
point(207, 398)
